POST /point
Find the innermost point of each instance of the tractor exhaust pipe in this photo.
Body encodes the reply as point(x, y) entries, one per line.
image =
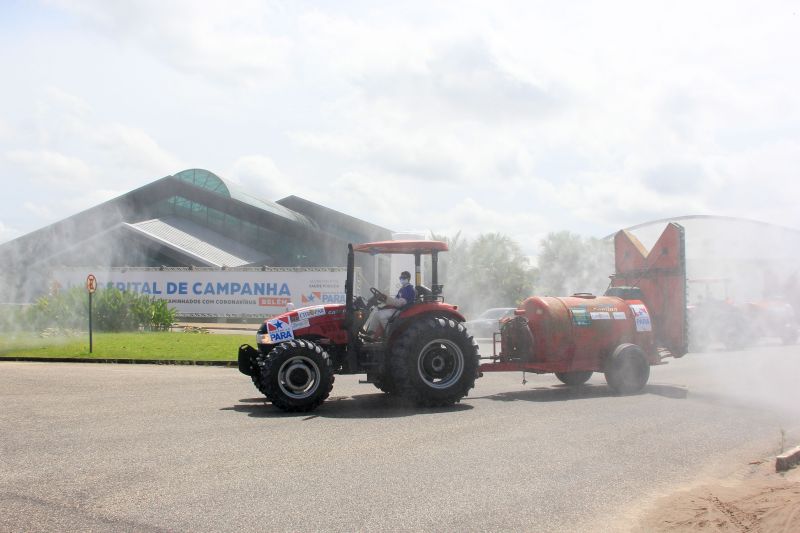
point(351, 358)
point(348, 288)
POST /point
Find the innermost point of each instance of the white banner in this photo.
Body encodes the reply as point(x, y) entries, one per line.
point(220, 293)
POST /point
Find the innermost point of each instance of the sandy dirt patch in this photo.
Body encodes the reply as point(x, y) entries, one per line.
point(758, 500)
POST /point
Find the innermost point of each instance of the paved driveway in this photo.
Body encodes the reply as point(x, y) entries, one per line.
point(154, 448)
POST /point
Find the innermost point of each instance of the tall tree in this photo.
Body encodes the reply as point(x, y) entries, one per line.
point(490, 271)
point(569, 263)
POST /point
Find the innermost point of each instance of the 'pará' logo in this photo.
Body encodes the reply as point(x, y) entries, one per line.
point(311, 298)
point(323, 298)
point(279, 330)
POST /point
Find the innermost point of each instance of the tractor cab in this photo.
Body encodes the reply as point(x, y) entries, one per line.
point(427, 299)
point(371, 333)
point(417, 249)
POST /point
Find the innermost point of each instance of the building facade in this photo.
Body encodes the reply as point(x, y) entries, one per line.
point(191, 219)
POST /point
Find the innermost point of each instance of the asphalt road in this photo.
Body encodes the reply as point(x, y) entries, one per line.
point(175, 448)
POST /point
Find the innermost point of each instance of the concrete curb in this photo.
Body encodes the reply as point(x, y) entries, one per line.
point(118, 361)
point(787, 460)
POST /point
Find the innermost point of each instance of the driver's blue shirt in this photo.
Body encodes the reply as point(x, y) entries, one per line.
point(407, 292)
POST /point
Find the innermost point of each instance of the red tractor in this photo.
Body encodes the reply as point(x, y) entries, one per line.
point(425, 353)
point(716, 318)
point(638, 322)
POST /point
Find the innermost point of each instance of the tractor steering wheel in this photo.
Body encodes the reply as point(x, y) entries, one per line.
point(377, 294)
point(359, 304)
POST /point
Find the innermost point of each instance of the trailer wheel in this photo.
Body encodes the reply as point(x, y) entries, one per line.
point(296, 376)
point(627, 369)
point(574, 378)
point(434, 362)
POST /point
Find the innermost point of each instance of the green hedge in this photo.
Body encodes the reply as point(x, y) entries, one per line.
point(112, 310)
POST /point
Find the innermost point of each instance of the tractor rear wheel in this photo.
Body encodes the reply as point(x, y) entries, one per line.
point(627, 369)
point(738, 334)
point(434, 362)
point(296, 376)
point(574, 378)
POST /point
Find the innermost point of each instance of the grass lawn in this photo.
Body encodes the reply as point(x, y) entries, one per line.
point(162, 345)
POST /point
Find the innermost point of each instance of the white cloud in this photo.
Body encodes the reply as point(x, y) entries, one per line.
point(514, 117)
point(39, 210)
point(135, 151)
point(258, 176)
point(364, 45)
point(5, 131)
point(471, 218)
point(68, 134)
point(8, 233)
point(224, 42)
point(49, 168)
point(66, 159)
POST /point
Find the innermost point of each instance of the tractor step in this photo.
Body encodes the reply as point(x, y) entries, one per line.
point(373, 346)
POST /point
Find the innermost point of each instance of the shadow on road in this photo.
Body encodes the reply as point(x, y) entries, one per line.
point(387, 406)
point(562, 393)
point(362, 406)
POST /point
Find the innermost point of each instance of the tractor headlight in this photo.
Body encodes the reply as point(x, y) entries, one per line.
point(262, 335)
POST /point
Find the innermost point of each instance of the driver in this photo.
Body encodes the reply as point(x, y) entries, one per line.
point(376, 323)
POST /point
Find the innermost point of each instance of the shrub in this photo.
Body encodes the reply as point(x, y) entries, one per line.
point(112, 310)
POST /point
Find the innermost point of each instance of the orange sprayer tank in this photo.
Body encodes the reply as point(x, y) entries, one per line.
point(576, 332)
point(640, 321)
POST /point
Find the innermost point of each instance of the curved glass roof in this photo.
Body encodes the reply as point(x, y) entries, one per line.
point(208, 180)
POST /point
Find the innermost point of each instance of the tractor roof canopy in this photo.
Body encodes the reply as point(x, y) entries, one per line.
point(402, 247)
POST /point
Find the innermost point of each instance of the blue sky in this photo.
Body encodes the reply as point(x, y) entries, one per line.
point(518, 117)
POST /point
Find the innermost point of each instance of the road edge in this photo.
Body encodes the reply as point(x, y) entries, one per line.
point(116, 361)
point(785, 461)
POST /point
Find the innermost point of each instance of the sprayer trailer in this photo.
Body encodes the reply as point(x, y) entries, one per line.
point(424, 353)
point(640, 321)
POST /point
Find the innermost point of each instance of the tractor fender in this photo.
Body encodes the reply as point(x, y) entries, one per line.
point(432, 309)
point(247, 359)
point(412, 315)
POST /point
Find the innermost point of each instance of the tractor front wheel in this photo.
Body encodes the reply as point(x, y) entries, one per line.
point(574, 379)
point(627, 369)
point(434, 362)
point(296, 376)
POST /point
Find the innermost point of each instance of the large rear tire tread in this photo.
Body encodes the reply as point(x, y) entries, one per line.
point(275, 368)
point(434, 362)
